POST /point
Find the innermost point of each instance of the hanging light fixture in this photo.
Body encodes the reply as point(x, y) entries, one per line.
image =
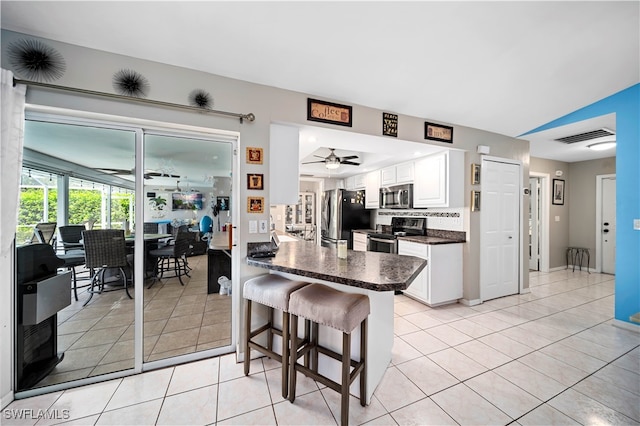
point(332, 163)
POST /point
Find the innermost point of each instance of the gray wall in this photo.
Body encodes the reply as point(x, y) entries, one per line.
point(577, 225)
point(582, 226)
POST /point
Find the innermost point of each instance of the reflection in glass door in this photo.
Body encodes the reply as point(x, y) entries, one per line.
point(77, 177)
point(187, 188)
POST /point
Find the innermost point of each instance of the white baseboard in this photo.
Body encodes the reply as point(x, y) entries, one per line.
point(626, 325)
point(6, 400)
point(473, 302)
point(526, 290)
point(559, 268)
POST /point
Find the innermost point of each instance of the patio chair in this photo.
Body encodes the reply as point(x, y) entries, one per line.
point(44, 233)
point(70, 236)
point(172, 256)
point(106, 253)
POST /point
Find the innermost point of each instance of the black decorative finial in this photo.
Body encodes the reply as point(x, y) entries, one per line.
point(201, 99)
point(35, 60)
point(130, 83)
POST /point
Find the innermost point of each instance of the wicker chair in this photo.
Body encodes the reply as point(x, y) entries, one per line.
point(173, 256)
point(106, 253)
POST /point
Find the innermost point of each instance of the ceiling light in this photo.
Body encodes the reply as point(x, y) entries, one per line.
point(601, 146)
point(332, 163)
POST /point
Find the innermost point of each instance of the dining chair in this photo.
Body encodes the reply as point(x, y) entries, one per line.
point(106, 253)
point(173, 256)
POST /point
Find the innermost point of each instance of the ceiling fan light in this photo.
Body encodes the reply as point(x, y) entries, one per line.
point(601, 146)
point(332, 164)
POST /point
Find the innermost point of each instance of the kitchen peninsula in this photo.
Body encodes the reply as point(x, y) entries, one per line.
point(377, 275)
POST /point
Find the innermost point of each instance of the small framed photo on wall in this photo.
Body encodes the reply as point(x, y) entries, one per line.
point(255, 181)
point(558, 192)
point(254, 155)
point(255, 205)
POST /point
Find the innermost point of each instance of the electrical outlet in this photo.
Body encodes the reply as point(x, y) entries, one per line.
point(636, 224)
point(263, 226)
point(253, 226)
point(557, 218)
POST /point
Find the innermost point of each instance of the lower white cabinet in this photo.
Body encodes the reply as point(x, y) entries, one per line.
point(359, 241)
point(440, 281)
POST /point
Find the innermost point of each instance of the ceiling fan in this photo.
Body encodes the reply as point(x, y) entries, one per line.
point(332, 161)
point(148, 174)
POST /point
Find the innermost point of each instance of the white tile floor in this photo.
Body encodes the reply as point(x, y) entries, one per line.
point(548, 357)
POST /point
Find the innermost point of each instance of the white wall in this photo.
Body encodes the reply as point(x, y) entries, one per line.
point(93, 70)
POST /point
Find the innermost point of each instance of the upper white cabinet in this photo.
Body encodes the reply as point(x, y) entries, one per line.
point(355, 182)
point(284, 176)
point(439, 180)
point(372, 190)
point(401, 173)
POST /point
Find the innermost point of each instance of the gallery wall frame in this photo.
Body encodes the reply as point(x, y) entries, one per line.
point(475, 174)
point(255, 181)
point(475, 201)
point(557, 196)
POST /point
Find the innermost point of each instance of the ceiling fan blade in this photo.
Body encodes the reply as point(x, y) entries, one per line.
point(350, 163)
point(158, 174)
point(319, 156)
point(348, 157)
point(312, 162)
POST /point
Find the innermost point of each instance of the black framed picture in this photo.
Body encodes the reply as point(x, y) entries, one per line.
point(329, 112)
point(438, 132)
point(558, 192)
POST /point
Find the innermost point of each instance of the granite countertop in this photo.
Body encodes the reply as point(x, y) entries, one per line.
point(427, 239)
point(368, 270)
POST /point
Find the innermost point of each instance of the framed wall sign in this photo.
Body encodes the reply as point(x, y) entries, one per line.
point(558, 192)
point(438, 132)
point(390, 124)
point(475, 174)
point(255, 181)
point(255, 204)
point(475, 201)
point(328, 112)
point(254, 155)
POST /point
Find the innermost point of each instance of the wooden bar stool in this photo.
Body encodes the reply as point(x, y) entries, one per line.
point(339, 310)
point(272, 291)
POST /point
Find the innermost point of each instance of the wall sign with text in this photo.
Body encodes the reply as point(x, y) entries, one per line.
point(328, 112)
point(438, 132)
point(390, 124)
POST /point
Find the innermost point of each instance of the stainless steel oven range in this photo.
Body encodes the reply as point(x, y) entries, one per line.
point(400, 226)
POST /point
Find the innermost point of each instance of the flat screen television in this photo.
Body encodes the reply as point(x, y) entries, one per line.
point(191, 201)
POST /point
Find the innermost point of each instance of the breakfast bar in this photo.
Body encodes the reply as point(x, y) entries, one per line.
point(376, 275)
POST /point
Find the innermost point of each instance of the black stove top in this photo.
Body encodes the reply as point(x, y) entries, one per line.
point(404, 226)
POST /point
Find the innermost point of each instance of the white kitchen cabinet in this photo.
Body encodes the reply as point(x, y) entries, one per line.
point(439, 180)
point(404, 173)
point(355, 182)
point(372, 190)
point(440, 281)
point(388, 176)
point(359, 241)
point(398, 174)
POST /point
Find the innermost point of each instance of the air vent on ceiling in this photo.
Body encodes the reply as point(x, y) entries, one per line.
point(595, 134)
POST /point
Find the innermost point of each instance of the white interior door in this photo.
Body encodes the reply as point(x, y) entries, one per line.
point(609, 225)
point(500, 234)
point(534, 224)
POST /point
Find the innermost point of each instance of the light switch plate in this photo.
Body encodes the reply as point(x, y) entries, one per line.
point(253, 226)
point(557, 218)
point(263, 226)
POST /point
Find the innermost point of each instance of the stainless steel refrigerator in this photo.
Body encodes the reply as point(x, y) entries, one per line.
point(342, 211)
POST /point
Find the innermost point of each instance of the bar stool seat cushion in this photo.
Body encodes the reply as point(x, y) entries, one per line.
point(271, 290)
point(330, 307)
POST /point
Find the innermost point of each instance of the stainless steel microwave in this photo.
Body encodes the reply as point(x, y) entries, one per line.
point(397, 197)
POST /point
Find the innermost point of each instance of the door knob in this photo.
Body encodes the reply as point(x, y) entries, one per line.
point(510, 237)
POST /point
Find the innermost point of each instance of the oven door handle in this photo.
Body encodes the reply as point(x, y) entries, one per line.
point(382, 240)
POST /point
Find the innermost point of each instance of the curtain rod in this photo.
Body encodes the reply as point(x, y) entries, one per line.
point(248, 117)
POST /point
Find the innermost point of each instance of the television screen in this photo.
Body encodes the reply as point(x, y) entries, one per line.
point(186, 201)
